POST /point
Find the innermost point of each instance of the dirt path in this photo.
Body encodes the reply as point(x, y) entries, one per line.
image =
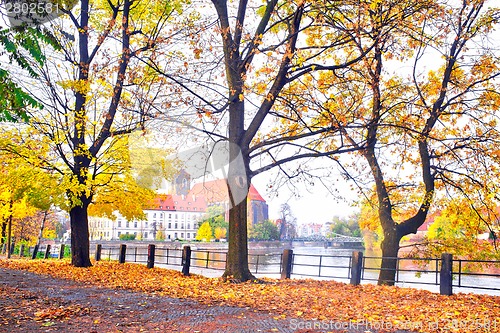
point(38, 303)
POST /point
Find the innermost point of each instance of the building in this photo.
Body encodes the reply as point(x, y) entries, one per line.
point(215, 192)
point(311, 230)
point(168, 217)
point(176, 216)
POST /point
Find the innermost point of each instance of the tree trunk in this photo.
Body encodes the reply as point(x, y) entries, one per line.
point(9, 234)
point(80, 244)
point(237, 256)
point(4, 232)
point(42, 226)
point(390, 249)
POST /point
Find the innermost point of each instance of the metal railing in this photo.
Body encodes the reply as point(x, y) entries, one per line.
point(469, 274)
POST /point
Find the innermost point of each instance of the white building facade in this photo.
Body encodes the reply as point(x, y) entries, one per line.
point(169, 217)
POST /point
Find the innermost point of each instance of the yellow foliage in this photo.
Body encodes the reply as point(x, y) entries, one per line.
point(78, 86)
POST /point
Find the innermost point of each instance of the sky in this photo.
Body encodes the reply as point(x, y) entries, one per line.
point(315, 204)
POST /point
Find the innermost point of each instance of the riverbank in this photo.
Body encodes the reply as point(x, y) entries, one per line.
point(276, 246)
point(292, 301)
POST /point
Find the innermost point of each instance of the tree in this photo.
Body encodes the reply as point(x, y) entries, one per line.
point(346, 226)
point(160, 235)
point(214, 215)
point(264, 231)
point(438, 123)
point(288, 225)
point(244, 103)
point(14, 100)
point(94, 91)
point(457, 229)
point(220, 233)
point(23, 189)
point(204, 232)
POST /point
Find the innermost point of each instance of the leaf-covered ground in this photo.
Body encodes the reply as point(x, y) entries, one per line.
point(376, 307)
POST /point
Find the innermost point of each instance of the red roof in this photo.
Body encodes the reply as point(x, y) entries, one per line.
point(254, 195)
point(216, 191)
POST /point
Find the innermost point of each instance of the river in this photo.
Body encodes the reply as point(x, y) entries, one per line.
point(265, 261)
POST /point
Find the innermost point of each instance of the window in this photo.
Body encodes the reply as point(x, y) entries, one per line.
point(135, 233)
point(188, 235)
point(176, 217)
point(135, 224)
point(189, 226)
point(182, 235)
point(145, 235)
point(119, 233)
point(154, 215)
point(169, 216)
point(146, 224)
point(175, 235)
point(182, 226)
point(168, 236)
point(119, 223)
point(161, 215)
point(176, 225)
point(127, 225)
point(170, 225)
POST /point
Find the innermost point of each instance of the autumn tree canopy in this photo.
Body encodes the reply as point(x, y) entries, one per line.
point(421, 109)
point(238, 79)
point(94, 91)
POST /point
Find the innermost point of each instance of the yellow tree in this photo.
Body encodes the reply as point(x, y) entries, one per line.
point(23, 188)
point(204, 233)
point(235, 81)
point(94, 90)
point(420, 132)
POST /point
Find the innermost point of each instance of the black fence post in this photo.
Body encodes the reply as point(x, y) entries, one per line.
point(151, 255)
point(357, 267)
point(35, 252)
point(21, 250)
point(186, 259)
point(446, 281)
point(12, 248)
point(123, 250)
point(61, 251)
point(98, 249)
point(286, 264)
point(47, 252)
point(4, 248)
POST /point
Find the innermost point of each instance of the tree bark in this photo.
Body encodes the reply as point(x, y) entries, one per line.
point(80, 244)
point(4, 232)
point(9, 235)
point(390, 249)
point(237, 256)
point(238, 183)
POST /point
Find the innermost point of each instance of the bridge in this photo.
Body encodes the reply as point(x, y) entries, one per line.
point(337, 240)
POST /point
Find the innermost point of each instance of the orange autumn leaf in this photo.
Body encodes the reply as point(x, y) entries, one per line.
point(307, 299)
